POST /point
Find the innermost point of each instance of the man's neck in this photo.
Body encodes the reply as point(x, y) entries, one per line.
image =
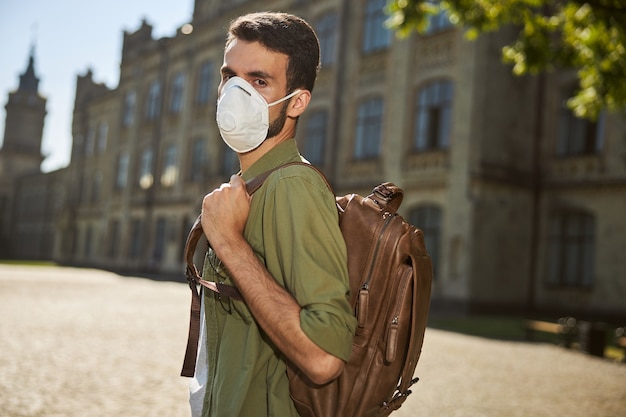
point(246, 160)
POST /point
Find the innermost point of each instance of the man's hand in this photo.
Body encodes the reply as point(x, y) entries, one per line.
point(225, 212)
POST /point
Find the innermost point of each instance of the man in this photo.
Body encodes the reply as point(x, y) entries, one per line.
point(282, 247)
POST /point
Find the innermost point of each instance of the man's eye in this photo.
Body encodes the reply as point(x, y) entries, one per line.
point(260, 83)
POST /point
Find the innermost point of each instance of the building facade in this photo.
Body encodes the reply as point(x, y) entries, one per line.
point(21, 148)
point(522, 203)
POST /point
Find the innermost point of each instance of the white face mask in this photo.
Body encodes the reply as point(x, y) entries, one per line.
point(243, 115)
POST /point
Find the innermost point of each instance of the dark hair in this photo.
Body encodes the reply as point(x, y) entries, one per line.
point(286, 34)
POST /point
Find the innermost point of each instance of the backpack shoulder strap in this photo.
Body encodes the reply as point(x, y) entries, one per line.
point(195, 233)
point(255, 183)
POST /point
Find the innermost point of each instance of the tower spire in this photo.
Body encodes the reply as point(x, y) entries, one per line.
point(28, 80)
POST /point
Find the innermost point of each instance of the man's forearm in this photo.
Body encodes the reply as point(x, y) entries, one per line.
point(277, 312)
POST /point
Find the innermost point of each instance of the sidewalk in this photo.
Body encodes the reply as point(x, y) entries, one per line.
point(81, 342)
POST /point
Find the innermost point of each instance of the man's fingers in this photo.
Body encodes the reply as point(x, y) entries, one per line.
point(237, 181)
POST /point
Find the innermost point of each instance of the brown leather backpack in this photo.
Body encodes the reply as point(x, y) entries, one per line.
point(390, 282)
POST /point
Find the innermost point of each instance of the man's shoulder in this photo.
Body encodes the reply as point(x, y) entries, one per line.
point(299, 177)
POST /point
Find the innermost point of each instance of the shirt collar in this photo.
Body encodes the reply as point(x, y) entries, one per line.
point(282, 153)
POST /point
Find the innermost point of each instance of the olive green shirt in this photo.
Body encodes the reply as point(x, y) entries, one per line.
point(293, 228)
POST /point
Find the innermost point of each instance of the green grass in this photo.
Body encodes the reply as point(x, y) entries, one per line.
point(508, 328)
point(492, 327)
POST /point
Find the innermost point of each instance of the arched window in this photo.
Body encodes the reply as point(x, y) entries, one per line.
point(128, 109)
point(433, 116)
point(154, 101)
point(577, 136)
point(205, 83)
point(198, 160)
point(145, 169)
point(178, 93)
point(369, 127)
point(169, 170)
point(315, 137)
point(121, 179)
point(438, 22)
point(375, 35)
point(326, 29)
point(571, 236)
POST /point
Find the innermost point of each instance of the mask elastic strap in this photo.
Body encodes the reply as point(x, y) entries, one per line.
point(287, 97)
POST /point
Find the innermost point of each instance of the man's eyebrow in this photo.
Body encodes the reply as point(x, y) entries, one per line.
point(259, 74)
point(227, 70)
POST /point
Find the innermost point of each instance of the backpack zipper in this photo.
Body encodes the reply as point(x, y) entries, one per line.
point(392, 334)
point(364, 290)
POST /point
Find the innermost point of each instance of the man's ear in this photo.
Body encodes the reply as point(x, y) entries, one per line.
point(299, 103)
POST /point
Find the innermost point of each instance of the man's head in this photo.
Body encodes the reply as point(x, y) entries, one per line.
point(285, 34)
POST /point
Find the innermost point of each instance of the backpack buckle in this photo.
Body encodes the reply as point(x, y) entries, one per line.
point(192, 276)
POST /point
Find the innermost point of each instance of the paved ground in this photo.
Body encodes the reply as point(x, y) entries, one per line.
point(77, 342)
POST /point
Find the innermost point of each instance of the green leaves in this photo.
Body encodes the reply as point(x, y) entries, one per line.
point(588, 36)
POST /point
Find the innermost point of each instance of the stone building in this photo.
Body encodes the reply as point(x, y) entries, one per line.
point(40, 199)
point(522, 203)
point(21, 149)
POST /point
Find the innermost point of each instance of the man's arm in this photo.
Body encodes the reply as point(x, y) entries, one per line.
point(224, 215)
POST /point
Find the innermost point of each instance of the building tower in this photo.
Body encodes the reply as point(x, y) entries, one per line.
point(21, 150)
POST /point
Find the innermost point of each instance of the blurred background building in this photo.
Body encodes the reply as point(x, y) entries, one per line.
point(22, 209)
point(522, 204)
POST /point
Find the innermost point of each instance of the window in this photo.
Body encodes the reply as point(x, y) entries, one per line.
point(205, 84)
point(122, 171)
point(327, 34)
point(103, 131)
point(75, 241)
point(571, 249)
point(315, 137)
point(88, 251)
point(129, 109)
point(154, 101)
point(114, 232)
point(83, 191)
point(433, 116)
point(178, 90)
point(145, 169)
point(438, 22)
point(369, 129)
point(428, 218)
point(187, 224)
point(230, 162)
point(96, 186)
point(375, 35)
point(169, 173)
point(198, 160)
point(90, 143)
point(134, 250)
point(578, 136)
point(159, 243)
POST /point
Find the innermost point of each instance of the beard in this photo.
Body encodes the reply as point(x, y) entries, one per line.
point(277, 125)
